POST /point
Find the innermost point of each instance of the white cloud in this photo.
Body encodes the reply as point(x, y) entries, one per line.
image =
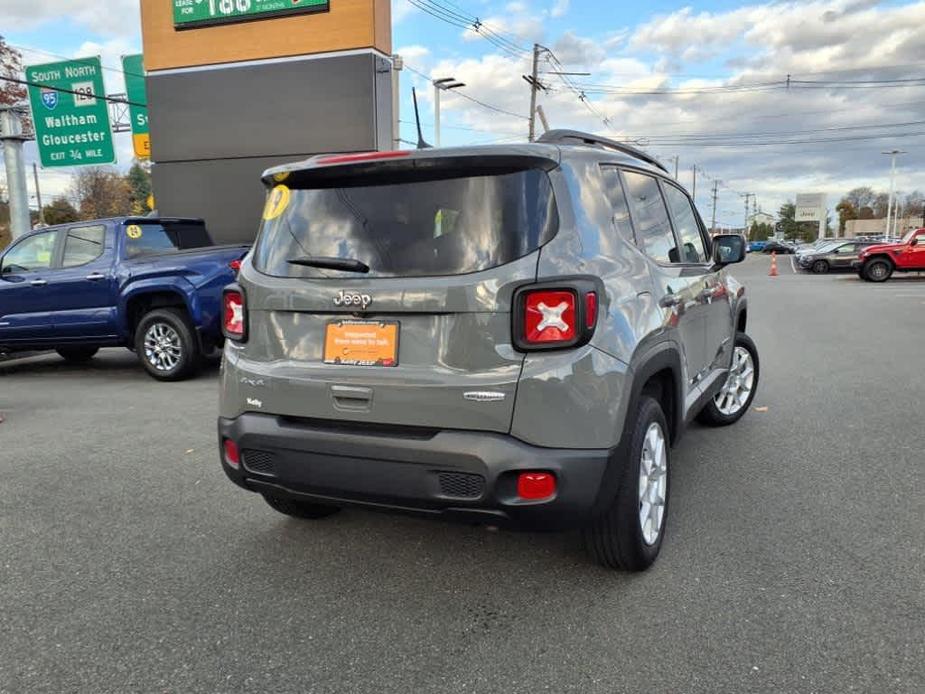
point(112, 17)
point(401, 10)
point(848, 40)
point(559, 8)
point(413, 52)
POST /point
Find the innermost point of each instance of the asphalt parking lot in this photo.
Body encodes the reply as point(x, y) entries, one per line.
point(795, 560)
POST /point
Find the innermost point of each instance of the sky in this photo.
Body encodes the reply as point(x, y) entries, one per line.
point(706, 82)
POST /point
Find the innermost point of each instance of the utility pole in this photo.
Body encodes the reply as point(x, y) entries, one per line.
point(443, 84)
point(676, 159)
point(398, 65)
point(889, 210)
point(534, 88)
point(694, 185)
point(747, 230)
point(12, 137)
point(715, 195)
point(38, 193)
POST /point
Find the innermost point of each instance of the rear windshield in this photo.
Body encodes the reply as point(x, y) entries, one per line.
point(449, 226)
point(143, 239)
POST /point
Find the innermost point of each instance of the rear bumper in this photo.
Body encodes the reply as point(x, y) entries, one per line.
point(461, 475)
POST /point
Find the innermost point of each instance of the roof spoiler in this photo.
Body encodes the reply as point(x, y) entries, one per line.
point(576, 137)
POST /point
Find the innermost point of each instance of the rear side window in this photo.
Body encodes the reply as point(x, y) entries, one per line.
point(144, 239)
point(693, 249)
point(419, 228)
point(83, 245)
point(613, 188)
point(653, 230)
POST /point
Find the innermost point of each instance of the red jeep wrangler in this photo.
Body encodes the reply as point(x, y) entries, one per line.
point(878, 263)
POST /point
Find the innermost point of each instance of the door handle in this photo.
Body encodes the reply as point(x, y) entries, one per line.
point(669, 301)
point(38, 283)
point(94, 276)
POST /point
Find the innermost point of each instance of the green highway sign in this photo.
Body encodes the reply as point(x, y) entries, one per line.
point(134, 69)
point(71, 123)
point(188, 14)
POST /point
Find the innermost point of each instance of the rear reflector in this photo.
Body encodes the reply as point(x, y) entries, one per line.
point(536, 485)
point(549, 317)
point(232, 454)
point(590, 310)
point(233, 314)
point(363, 156)
point(235, 265)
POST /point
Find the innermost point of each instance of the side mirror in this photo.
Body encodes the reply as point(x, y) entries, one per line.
point(728, 249)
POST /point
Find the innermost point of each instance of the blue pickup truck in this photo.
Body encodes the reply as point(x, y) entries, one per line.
point(153, 285)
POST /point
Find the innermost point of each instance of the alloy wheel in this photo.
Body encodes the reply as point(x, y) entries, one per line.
point(739, 384)
point(162, 347)
point(653, 483)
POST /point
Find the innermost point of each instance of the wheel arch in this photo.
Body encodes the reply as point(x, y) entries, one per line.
point(143, 300)
point(658, 373)
point(880, 256)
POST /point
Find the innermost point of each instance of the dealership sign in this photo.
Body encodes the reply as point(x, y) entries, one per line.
point(188, 14)
point(811, 207)
point(71, 120)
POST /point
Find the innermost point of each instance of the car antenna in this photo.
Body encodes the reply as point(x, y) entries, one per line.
point(417, 119)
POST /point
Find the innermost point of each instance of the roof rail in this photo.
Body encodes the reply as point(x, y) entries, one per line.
point(564, 137)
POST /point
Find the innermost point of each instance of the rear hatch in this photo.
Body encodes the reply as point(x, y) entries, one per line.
point(381, 291)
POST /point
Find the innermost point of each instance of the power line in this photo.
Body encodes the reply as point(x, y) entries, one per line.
point(790, 142)
point(110, 99)
point(462, 127)
point(460, 92)
point(64, 57)
point(450, 16)
point(706, 136)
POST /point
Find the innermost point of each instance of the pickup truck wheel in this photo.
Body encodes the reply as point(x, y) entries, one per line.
point(629, 534)
point(737, 393)
point(166, 344)
point(820, 267)
point(878, 270)
point(77, 355)
point(300, 509)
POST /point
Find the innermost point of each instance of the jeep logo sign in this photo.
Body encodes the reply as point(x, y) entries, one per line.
point(352, 299)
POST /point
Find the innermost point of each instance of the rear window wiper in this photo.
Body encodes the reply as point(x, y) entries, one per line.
point(328, 263)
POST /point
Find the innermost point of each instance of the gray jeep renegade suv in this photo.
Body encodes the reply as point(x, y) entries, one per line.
point(510, 335)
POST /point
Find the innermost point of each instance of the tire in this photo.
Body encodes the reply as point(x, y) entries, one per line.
point(878, 270)
point(820, 267)
point(300, 509)
point(727, 407)
point(77, 355)
point(167, 330)
point(619, 539)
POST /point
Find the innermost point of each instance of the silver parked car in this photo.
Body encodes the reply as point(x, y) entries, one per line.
point(509, 335)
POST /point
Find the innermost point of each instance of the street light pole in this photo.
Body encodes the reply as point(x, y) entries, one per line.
point(12, 136)
point(442, 84)
point(889, 209)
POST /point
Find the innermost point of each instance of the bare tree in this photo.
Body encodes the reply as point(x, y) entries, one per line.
point(11, 93)
point(102, 192)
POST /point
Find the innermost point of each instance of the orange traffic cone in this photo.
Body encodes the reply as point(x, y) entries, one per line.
point(773, 272)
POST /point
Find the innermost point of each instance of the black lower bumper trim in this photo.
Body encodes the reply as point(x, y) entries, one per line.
point(402, 473)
